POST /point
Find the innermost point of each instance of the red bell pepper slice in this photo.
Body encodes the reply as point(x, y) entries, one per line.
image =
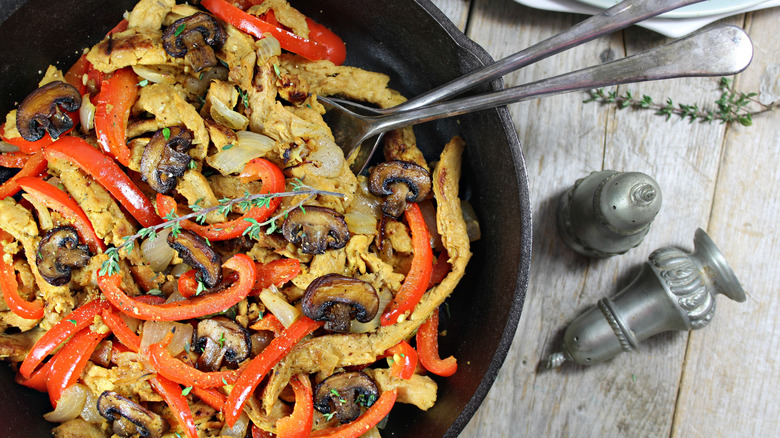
point(179, 372)
point(259, 366)
point(34, 166)
point(441, 268)
point(14, 160)
point(75, 75)
point(178, 310)
point(175, 400)
point(29, 147)
point(322, 44)
point(10, 288)
point(270, 323)
point(70, 362)
point(260, 433)
point(108, 174)
point(416, 282)
point(112, 111)
point(404, 359)
point(77, 320)
point(38, 379)
point(275, 273)
point(369, 419)
point(299, 423)
point(119, 328)
point(273, 182)
point(64, 204)
point(428, 348)
point(188, 284)
point(210, 396)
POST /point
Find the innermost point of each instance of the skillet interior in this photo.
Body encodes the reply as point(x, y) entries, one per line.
point(419, 48)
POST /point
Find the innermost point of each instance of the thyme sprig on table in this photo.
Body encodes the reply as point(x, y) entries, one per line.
point(732, 106)
point(173, 221)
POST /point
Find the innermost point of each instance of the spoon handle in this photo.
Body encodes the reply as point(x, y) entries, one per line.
point(720, 51)
point(610, 20)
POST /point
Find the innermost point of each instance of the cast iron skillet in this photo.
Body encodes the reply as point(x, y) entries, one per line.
point(419, 48)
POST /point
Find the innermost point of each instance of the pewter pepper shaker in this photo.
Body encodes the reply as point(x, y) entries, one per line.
point(674, 291)
point(608, 212)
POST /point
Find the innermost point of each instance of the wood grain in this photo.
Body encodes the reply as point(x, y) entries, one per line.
point(718, 381)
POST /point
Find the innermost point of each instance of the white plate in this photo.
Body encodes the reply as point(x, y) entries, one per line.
point(671, 27)
point(703, 9)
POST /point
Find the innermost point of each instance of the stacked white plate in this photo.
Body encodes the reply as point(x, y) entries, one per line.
point(676, 23)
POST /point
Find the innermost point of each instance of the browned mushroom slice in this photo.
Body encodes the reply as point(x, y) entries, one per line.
point(401, 182)
point(165, 158)
point(342, 395)
point(219, 339)
point(337, 299)
point(196, 252)
point(42, 111)
point(316, 229)
point(129, 418)
point(195, 38)
point(58, 253)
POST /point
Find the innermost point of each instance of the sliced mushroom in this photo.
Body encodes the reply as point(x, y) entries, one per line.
point(337, 299)
point(195, 38)
point(42, 111)
point(219, 339)
point(129, 418)
point(196, 252)
point(166, 159)
point(401, 182)
point(342, 395)
point(316, 229)
point(58, 253)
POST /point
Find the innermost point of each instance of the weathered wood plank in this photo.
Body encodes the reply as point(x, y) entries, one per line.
point(455, 10)
point(635, 394)
point(732, 372)
point(563, 140)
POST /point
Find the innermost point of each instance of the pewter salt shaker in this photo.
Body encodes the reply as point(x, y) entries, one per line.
point(674, 291)
point(608, 212)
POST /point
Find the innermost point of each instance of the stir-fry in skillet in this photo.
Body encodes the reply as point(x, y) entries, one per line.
point(185, 251)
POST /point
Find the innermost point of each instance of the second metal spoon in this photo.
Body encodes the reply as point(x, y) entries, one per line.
point(720, 51)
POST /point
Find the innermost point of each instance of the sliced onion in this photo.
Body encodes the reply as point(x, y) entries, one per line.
point(86, 114)
point(180, 269)
point(157, 252)
point(155, 73)
point(89, 412)
point(155, 331)
point(385, 296)
point(249, 145)
point(428, 211)
point(45, 220)
point(328, 158)
point(472, 222)
point(8, 147)
point(238, 430)
point(372, 433)
point(267, 47)
point(132, 323)
point(70, 404)
point(282, 310)
point(360, 223)
point(200, 85)
point(226, 116)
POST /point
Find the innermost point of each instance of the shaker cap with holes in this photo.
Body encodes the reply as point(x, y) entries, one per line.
point(608, 212)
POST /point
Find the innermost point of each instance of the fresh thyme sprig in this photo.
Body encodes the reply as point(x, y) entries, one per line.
point(732, 106)
point(173, 221)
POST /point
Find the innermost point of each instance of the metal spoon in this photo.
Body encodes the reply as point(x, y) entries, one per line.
point(719, 51)
point(610, 20)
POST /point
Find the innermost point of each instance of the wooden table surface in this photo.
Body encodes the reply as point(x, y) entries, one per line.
point(721, 380)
